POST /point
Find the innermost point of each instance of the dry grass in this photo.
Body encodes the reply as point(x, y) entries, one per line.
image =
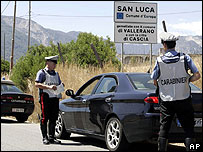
point(74, 77)
point(197, 59)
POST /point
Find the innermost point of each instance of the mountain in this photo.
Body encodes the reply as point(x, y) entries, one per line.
point(39, 35)
point(185, 44)
point(42, 35)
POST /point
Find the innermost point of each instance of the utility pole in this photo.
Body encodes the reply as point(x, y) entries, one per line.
point(4, 46)
point(151, 59)
point(97, 55)
point(61, 56)
point(29, 26)
point(12, 49)
point(122, 52)
point(164, 26)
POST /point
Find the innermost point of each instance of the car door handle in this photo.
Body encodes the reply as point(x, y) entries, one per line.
point(108, 99)
point(84, 100)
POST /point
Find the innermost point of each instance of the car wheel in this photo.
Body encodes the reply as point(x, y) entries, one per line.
point(21, 118)
point(114, 136)
point(60, 131)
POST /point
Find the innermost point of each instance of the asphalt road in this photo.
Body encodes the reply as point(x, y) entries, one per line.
point(27, 137)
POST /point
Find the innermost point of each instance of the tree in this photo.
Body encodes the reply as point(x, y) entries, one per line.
point(28, 66)
point(80, 52)
point(5, 66)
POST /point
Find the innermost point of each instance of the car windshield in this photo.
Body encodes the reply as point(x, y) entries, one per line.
point(141, 81)
point(9, 88)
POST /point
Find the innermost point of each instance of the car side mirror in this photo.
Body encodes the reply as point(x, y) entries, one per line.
point(70, 93)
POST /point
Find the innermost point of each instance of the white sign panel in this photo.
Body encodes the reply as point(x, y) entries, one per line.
point(135, 33)
point(135, 12)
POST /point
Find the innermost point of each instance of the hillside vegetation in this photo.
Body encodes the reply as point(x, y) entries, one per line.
point(77, 52)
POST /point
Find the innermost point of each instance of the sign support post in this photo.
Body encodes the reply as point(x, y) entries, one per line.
point(151, 59)
point(122, 51)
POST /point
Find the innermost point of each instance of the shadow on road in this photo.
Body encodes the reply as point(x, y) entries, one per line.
point(10, 120)
point(89, 141)
point(133, 147)
point(154, 147)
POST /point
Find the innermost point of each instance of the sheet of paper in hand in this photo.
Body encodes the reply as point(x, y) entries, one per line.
point(59, 90)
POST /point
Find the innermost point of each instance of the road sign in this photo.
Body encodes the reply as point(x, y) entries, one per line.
point(135, 33)
point(135, 12)
point(135, 22)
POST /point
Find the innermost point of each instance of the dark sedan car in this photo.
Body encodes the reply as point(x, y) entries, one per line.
point(120, 108)
point(14, 102)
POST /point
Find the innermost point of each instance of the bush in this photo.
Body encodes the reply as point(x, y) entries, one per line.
point(78, 52)
point(5, 66)
point(82, 54)
point(28, 66)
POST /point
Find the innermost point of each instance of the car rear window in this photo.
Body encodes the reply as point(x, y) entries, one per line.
point(142, 81)
point(9, 88)
point(145, 82)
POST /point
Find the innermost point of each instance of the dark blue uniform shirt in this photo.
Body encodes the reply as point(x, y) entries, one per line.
point(41, 77)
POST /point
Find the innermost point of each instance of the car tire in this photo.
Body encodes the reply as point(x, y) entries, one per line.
point(21, 118)
point(60, 131)
point(114, 136)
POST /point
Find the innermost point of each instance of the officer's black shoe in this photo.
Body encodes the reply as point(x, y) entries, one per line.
point(162, 144)
point(45, 141)
point(54, 141)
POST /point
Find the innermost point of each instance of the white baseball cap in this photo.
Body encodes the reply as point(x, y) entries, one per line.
point(165, 36)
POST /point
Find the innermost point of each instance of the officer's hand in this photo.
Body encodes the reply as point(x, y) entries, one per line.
point(53, 87)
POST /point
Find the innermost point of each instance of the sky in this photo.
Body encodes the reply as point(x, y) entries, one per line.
point(182, 18)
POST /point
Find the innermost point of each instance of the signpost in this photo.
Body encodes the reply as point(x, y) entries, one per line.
point(135, 22)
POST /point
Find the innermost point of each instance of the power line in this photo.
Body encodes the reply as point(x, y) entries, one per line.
point(90, 16)
point(180, 12)
point(26, 14)
point(80, 16)
point(68, 15)
point(5, 7)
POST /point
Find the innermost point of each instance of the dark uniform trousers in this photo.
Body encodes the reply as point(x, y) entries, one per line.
point(49, 112)
point(185, 114)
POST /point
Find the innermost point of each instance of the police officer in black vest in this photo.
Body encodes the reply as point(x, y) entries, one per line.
point(171, 77)
point(47, 81)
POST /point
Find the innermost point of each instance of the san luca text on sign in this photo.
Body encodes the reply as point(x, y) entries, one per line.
point(137, 9)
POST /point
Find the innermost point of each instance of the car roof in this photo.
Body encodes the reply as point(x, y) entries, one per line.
point(124, 73)
point(7, 82)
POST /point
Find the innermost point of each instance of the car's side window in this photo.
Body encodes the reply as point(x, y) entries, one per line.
point(108, 84)
point(89, 88)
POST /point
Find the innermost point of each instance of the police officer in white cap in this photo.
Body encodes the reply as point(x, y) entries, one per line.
point(171, 76)
point(47, 80)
